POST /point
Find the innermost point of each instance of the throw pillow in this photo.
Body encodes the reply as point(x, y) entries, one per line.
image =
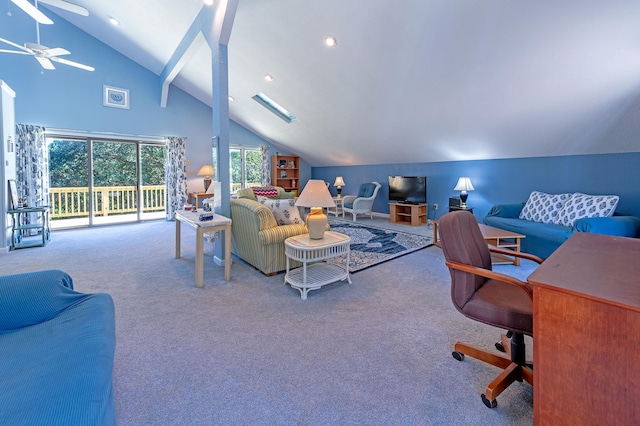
point(580, 206)
point(284, 211)
point(543, 208)
point(265, 191)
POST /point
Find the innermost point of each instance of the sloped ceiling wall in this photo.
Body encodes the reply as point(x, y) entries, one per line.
point(410, 81)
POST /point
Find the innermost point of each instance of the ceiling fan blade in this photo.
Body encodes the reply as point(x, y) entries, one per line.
point(46, 63)
point(56, 51)
point(61, 4)
point(73, 64)
point(14, 51)
point(33, 12)
point(14, 45)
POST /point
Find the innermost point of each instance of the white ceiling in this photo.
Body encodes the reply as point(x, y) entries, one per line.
point(412, 80)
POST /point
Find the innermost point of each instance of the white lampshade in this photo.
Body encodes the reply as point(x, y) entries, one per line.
point(339, 182)
point(315, 194)
point(464, 184)
point(206, 170)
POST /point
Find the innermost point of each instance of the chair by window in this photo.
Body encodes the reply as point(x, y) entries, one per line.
point(489, 297)
point(361, 203)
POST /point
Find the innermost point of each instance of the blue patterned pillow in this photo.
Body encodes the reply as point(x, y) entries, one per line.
point(580, 206)
point(284, 211)
point(543, 208)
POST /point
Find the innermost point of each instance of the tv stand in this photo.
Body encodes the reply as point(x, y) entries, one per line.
point(409, 214)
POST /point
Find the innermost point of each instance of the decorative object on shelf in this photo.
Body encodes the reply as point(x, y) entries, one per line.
point(115, 98)
point(339, 183)
point(464, 184)
point(206, 171)
point(291, 164)
point(315, 195)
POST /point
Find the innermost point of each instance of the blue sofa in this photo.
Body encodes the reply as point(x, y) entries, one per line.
point(56, 352)
point(542, 239)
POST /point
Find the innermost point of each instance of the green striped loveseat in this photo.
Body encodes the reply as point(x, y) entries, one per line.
point(256, 237)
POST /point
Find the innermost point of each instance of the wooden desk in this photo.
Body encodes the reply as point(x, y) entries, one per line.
point(219, 223)
point(586, 332)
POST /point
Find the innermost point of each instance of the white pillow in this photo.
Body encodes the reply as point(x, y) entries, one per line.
point(543, 208)
point(580, 206)
point(285, 211)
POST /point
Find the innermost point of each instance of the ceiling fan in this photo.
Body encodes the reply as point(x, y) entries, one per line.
point(44, 55)
point(40, 17)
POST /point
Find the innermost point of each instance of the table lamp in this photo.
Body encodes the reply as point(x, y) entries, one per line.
point(315, 195)
point(464, 184)
point(206, 171)
point(339, 183)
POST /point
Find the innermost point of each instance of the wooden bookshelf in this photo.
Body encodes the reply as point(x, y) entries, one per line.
point(285, 172)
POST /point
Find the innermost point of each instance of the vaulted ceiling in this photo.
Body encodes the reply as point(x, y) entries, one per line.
point(412, 80)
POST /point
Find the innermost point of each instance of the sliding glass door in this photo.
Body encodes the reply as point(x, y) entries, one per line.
point(95, 182)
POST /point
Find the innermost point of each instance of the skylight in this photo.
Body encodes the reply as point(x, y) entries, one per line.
point(274, 107)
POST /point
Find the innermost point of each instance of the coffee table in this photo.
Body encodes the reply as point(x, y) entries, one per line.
point(314, 272)
point(496, 237)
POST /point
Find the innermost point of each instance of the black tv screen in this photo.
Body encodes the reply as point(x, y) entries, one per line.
point(408, 189)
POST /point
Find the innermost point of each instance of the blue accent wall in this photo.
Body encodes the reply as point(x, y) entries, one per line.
point(505, 180)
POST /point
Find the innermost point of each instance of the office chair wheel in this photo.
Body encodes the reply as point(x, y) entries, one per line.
point(500, 347)
point(458, 355)
point(489, 404)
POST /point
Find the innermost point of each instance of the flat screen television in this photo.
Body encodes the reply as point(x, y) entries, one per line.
point(408, 189)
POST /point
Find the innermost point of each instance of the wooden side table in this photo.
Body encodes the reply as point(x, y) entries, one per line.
point(313, 273)
point(218, 223)
point(198, 197)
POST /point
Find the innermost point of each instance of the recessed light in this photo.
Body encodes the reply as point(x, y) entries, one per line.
point(268, 77)
point(208, 2)
point(330, 41)
point(231, 98)
point(114, 21)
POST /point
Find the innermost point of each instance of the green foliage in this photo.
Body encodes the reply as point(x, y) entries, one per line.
point(114, 164)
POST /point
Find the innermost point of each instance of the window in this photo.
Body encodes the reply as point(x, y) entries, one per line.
point(246, 168)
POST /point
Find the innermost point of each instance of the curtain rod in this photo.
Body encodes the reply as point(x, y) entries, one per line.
point(102, 135)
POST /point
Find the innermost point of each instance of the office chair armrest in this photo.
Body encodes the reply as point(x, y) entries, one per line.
point(491, 275)
point(519, 254)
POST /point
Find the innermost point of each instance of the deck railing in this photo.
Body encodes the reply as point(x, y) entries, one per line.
point(73, 202)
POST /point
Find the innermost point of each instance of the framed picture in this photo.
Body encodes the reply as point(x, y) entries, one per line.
point(13, 190)
point(283, 164)
point(115, 98)
point(283, 174)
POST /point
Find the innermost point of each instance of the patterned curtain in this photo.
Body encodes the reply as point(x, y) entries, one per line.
point(32, 165)
point(266, 172)
point(176, 174)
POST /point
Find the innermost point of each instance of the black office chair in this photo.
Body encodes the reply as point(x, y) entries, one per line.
point(488, 297)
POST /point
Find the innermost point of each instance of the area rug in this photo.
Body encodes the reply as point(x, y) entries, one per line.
point(371, 246)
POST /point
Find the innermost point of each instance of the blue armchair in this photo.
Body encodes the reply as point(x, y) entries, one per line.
point(361, 203)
